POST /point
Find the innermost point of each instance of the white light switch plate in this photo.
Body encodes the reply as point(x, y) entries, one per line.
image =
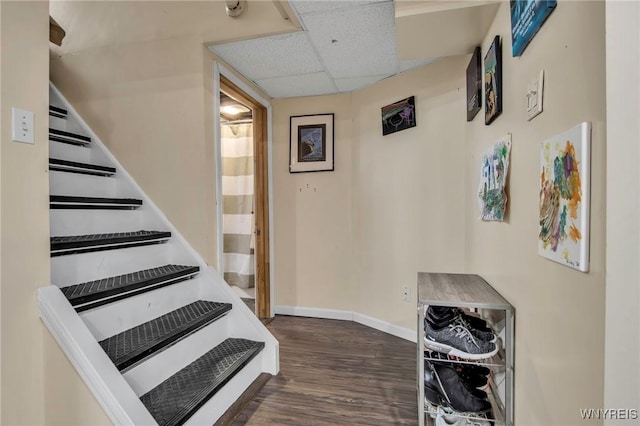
point(535, 89)
point(22, 129)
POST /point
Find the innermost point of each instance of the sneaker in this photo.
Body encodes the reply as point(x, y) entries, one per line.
point(449, 417)
point(457, 340)
point(476, 322)
point(442, 386)
point(487, 336)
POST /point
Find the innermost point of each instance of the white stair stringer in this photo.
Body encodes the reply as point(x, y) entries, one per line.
point(92, 364)
point(78, 334)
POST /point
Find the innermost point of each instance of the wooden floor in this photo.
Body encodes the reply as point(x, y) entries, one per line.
point(336, 373)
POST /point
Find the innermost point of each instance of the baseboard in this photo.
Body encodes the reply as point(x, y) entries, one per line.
point(386, 327)
point(298, 311)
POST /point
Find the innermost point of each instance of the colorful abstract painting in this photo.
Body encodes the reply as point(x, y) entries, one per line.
point(494, 169)
point(564, 198)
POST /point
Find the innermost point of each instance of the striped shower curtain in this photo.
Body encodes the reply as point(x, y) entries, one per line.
point(237, 190)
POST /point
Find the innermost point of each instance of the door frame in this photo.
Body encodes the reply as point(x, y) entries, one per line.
point(264, 267)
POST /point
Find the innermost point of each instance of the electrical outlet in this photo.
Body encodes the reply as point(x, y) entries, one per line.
point(406, 293)
point(535, 90)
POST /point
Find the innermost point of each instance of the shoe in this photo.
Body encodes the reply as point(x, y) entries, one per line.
point(474, 376)
point(441, 316)
point(487, 336)
point(457, 340)
point(448, 417)
point(443, 386)
point(476, 322)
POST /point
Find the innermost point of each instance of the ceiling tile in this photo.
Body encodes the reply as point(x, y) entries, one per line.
point(311, 6)
point(356, 41)
point(268, 57)
point(298, 85)
point(355, 83)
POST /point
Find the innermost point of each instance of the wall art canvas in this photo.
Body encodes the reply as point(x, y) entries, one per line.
point(311, 143)
point(527, 17)
point(494, 169)
point(399, 116)
point(493, 81)
point(474, 84)
point(564, 198)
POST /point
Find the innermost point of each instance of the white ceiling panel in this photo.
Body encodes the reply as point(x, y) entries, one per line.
point(311, 6)
point(268, 57)
point(356, 41)
point(298, 85)
point(355, 83)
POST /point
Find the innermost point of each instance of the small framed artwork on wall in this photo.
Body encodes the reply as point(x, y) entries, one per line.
point(493, 81)
point(311, 143)
point(399, 116)
point(474, 84)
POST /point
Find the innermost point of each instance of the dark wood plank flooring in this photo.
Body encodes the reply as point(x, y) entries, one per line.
point(336, 373)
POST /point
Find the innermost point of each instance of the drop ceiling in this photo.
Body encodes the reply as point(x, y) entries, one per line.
point(345, 45)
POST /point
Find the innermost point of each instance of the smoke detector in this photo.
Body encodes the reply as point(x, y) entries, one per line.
point(235, 8)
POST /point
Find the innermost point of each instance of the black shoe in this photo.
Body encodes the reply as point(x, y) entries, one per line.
point(443, 386)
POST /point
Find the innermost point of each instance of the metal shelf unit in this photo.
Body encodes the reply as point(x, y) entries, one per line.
point(472, 292)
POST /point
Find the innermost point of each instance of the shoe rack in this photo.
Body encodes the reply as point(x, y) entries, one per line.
point(469, 292)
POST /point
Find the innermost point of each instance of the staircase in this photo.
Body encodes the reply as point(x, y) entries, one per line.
point(156, 334)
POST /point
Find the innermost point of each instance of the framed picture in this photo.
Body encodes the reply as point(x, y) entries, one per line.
point(399, 116)
point(311, 143)
point(474, 84)
point(527, 18)
point(493, 81)
point(563, 233)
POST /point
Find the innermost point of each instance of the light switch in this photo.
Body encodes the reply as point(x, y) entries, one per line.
point(22, 130)
point(535, 90)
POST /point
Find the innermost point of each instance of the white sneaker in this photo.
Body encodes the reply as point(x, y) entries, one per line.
point(448, 417)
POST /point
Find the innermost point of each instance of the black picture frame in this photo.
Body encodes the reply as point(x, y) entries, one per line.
point(399, 116)
point(311, 141)
point(493, 81)
point(474, 84)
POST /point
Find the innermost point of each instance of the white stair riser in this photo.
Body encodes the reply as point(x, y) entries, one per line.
point(218, 404)
point(108, 320)
point(57, 123)
point(83, 222)
point(155, 370)
point(63, 183)
point(65, 151)
point(79, 268)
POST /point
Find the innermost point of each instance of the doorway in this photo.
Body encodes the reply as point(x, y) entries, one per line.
point(243, 162)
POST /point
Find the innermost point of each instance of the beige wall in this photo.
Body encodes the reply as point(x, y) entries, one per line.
point(24, 215)
point(622, 376)
point(312, 212)
point(408, 189)
point(559, 311)
point(146, 101)
point(352, 238)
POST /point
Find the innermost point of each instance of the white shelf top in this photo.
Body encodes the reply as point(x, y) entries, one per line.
point(467, 290)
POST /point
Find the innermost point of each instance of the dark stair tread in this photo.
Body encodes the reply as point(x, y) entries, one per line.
point(72, 202)
point(94, 240)
point(63, 133)
point(57, 112)
point(86, 168)
point(79, 294)
point(131, 346)
point(176, 399)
